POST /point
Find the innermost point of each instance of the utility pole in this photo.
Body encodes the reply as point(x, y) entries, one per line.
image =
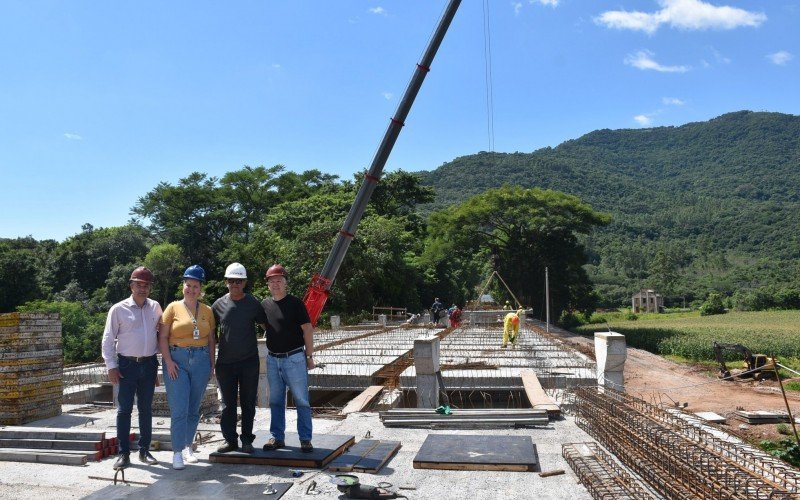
point(547, 298)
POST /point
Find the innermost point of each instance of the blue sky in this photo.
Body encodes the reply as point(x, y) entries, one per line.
point(100, 101)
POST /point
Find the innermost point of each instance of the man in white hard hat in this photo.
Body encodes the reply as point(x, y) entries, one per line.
point(237, 314)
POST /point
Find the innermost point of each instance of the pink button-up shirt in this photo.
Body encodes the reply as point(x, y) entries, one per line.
point(131, 330)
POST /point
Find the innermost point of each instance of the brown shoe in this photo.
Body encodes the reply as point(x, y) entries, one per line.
point(273, 444)
point(306, 447)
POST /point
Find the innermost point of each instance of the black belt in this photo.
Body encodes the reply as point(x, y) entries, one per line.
point(285, 354)
point(137, 359)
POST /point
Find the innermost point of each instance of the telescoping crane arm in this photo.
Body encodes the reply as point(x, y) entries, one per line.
point(319, 288)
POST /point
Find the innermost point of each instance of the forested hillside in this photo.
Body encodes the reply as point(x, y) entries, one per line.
point(704, 206)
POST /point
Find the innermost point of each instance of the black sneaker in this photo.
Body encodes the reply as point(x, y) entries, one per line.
point(123, 461)
point(306, 447)
point(146, 458)
point(228, 447)
point(274, 444)
point(248, 448)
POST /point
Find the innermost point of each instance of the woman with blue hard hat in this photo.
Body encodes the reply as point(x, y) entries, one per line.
point(187, 343)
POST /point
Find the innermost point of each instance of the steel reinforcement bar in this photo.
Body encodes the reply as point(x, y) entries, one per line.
point(675, 457)
point(600, 474)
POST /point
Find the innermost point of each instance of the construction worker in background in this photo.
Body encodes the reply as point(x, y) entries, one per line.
point(130, 344)
point(436, 310)
point(290, 345)
point(455, 316)
point(511, 327)
point(507, 306)
point(237, 314)
point(188, 342)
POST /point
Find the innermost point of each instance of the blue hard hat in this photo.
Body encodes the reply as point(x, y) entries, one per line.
point(195, 272)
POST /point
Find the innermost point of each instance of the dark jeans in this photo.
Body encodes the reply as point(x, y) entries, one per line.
point(138, 379)
point(241, 378)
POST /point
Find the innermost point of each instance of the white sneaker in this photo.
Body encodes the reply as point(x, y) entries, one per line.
point(177, 461)
point(188, 455)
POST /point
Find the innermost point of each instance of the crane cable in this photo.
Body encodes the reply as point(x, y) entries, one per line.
point(487, 56)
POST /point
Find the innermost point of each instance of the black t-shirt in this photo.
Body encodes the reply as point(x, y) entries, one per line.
point(284, 319)
point(237, 327)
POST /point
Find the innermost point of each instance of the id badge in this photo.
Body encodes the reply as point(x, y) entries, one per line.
point(196, 334)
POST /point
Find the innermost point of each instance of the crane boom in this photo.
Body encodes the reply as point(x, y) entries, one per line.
point(319, 288)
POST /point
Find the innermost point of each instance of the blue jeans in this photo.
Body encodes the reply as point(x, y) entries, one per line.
point(288, 372)
point(138, 379)
point(185, 393)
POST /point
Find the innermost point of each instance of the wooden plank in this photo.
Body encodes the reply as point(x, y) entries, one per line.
point(377, 457)
point(45, 458)
point(326, 448)
point(363, 400)
point(346, 461)
point(51, 444)
point(477, 452)
point(21, 432)
point(536, 395)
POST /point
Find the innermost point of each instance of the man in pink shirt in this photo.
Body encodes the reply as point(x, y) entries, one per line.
point(130, 344)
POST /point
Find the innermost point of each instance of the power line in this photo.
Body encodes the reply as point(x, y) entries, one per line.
point(487, 56)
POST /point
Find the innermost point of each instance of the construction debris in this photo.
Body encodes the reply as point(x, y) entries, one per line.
point(762, 417)
point(677, 457)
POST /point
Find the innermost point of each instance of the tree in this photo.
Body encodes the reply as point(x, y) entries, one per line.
point(19, 274)
point(167, 263)
point(519, 232)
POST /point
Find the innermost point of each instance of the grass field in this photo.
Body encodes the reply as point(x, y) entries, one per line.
point(689, 336)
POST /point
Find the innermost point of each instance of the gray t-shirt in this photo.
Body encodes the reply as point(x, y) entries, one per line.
point(237, 320)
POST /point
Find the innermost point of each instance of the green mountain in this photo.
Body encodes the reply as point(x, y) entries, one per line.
point(705, 206)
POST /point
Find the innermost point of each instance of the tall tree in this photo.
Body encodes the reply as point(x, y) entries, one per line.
point(519, 232)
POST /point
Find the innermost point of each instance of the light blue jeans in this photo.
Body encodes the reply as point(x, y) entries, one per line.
point(185, 393)
point(291, 373)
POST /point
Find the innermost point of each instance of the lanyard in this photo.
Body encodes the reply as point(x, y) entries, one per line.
point(196, 331)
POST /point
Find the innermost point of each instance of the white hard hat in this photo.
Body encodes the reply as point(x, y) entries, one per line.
point(236, 270)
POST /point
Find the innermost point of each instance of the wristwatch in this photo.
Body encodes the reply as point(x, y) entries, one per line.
point(310, 356)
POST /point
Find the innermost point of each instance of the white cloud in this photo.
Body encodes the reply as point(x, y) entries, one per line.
point(780, 58)
point(73, 137)
point(387, 95)
point(644, 60)
point(682, 14)
point(718, 57)
point(517, 7)
point(643, 120)
point(378, 10)
point(551, 3)
point(276, 66)
point(673, 101)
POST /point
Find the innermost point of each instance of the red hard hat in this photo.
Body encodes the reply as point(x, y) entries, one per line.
point(276, 270)
point(515, 320)
point(142, 274)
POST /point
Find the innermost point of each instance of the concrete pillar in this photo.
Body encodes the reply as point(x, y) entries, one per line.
point(335, 322)
point(382, 319)
point(610, 353)
point(426, 364)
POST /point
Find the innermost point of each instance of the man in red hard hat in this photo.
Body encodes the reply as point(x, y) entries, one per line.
point(130, 344)
point(511, 327)
point(290, 346)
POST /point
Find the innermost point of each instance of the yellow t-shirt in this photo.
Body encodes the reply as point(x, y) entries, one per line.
point(181, 335)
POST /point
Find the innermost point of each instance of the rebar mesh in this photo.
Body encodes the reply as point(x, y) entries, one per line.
point(676, 456)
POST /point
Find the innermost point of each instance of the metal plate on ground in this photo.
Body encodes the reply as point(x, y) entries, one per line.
point(326, 448)
point(169, 488)
point(477, 452)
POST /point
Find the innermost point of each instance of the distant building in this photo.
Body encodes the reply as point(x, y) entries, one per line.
point(647, 301)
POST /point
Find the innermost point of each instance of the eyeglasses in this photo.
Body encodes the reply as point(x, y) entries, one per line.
point(236, 282)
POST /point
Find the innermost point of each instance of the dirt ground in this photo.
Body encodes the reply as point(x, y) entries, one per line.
point(661, 381)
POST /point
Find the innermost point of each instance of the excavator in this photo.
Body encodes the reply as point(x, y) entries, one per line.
point(757, 366)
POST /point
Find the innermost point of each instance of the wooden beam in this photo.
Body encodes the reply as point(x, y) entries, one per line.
point(45, 458)
point(536, 395)
point(363, 400)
